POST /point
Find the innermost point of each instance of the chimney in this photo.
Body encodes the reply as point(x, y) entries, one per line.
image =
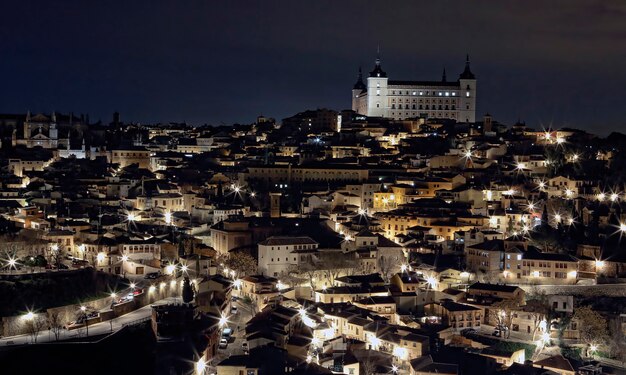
point(275, 204)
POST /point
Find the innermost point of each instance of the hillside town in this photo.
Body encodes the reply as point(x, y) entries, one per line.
point(324, 243)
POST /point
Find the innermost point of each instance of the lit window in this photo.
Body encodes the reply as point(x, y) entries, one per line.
point(421, 92)
point(467, 94)
point(378, 92)
point(454, 94)
point(447, 93)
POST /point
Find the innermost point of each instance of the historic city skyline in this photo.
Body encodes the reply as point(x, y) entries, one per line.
point(228, 63)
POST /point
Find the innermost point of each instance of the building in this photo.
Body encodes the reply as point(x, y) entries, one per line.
point(280, 254)
point(399, 99)
point(456, 315)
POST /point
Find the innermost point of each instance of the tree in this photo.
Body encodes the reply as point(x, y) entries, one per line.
point(309, 270)
point(591, 326)
point(334, 263)
point(188, 291)
point(387, 265)
point(55, 324)
point(34, 326)
point(503, 311)
point(242, 263)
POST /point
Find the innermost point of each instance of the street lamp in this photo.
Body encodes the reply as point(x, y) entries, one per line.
point(132, 286)
point(29, 315)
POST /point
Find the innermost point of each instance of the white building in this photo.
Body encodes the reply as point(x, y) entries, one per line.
point(401, 100)
point(278, 254)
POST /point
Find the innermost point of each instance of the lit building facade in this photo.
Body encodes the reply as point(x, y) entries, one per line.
point(399, 99)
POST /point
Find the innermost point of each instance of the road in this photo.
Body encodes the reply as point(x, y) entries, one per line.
point(600, 290)
point(238, 323)
point(94, 329)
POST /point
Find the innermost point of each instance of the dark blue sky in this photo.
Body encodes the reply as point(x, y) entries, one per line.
point(561, 62)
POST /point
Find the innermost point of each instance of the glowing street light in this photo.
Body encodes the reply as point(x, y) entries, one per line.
point(431, 281)
point(152, 288)
point(29, 315)
point(394, 369)
point(184, 268)
point(593, 348)
point(403, 268)
point(170, 268)
point(237, 283)
point(200, 367)
point(614, 197)
point(557, 217)
point(100, 257)
point(468, 154)
point(253, 194)
point(132, 285)
point(131, 217)
point(113, 295)
point(223, 321)
point(83, 308)
point(124, 258)
point(531, 206)
point(622, 227)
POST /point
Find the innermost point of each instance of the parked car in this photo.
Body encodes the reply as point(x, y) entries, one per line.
point(223, 343)
point(226, 333)
point(244, 346)
point(497, 333)
point(468, 331)
point(152, 275)
point(233, 310)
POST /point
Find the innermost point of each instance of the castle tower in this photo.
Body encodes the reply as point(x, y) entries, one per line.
point(358, 88)
point(377, 91)
point(467, 101)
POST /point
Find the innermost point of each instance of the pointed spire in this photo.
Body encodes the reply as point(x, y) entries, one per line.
point(359, 85)
point(378, 71)
point(467, 73)
point(443, 77)
point(53, 117)
point(28, 116)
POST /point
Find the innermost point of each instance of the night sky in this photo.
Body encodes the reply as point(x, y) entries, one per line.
point(220, 62)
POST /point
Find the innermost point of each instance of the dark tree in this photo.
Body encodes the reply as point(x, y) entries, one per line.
point(188, 291)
